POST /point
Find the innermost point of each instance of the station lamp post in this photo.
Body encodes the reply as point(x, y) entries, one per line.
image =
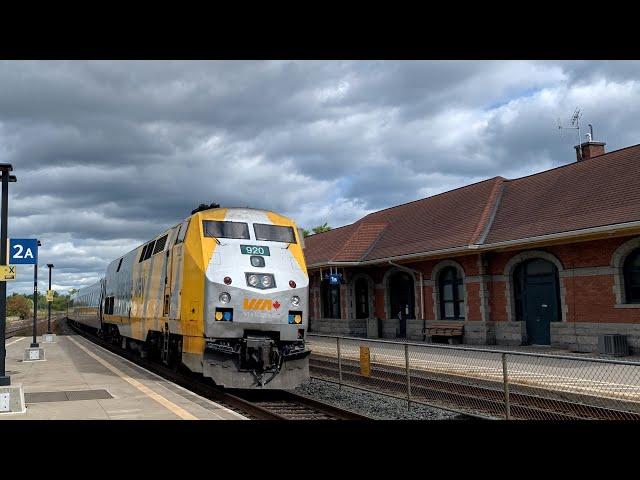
point(5, 168)
point(34, 343)
point(50, 265)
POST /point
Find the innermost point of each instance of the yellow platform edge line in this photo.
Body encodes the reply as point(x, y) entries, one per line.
point(168, 404)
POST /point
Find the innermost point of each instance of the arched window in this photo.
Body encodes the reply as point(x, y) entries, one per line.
point(632, 277)
point(451, 294)
point(330, 299)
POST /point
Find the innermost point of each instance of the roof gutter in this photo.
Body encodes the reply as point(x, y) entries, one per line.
point(490, 246)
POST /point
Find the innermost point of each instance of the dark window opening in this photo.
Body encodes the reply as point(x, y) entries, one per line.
point(632, 277)
point(362, 298)
point(165, 309)
point(451, 294)
point(401, 296)
point(108, 305)
point(330, 300)
point(274, 233)
point(218, 229)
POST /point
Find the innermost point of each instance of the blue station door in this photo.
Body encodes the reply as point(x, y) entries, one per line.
point(537, 288)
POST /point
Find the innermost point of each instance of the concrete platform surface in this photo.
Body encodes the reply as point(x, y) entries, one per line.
point(82, 381)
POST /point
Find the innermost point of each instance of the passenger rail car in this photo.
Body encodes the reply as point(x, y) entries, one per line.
point(225, 293)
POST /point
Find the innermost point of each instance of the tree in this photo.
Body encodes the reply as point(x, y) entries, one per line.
point(18, 306)
point(318, 229)
point(321, 228)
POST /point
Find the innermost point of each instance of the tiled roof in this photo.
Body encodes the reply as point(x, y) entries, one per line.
point(600, 191)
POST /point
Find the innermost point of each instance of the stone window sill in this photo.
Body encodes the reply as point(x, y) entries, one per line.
point(627, 305)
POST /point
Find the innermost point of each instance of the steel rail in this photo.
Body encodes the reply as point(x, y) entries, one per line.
point(247, 403)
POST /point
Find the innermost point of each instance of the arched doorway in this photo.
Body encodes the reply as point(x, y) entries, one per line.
point(537, 298)
point(401, 299)
point(362, 298)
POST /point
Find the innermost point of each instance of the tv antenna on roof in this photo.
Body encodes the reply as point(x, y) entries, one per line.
point(575, 125)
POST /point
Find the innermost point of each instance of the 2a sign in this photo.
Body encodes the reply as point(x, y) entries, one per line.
point(23, 251)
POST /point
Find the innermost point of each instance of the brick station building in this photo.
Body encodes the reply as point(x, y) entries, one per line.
point(548, 259)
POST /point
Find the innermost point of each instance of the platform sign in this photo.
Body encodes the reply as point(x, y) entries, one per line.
point(23, 251)
point(365, 362)
point(49, 295)
point(7, 272)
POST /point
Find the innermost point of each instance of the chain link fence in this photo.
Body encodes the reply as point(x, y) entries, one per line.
point(483, 382)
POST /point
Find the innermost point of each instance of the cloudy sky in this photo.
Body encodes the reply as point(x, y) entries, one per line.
point(108, 154)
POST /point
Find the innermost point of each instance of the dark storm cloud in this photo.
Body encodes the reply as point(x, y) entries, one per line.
point(109, 154)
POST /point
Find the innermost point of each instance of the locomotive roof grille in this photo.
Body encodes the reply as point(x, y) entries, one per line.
point(162, 241)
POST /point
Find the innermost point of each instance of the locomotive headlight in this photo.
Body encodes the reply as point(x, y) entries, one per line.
point(224, 297)
point(253, 280)
point(295, 300)
point(266, 281)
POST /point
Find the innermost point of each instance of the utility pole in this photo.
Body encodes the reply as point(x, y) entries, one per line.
point(4, 216)
point(34, 343)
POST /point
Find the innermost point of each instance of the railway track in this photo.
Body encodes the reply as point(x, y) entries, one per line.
point(25, 327)
point(483, 398)
point(253, 404)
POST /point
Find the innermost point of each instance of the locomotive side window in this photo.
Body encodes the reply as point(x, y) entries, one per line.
point(274, 233)
point(217, 229)
point(183, 231)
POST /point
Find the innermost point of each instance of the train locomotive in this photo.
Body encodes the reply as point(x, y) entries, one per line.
point(224, 293)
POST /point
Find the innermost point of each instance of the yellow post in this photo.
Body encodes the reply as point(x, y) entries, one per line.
point(365, 362)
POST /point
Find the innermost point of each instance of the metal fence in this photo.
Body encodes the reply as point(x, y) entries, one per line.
point(484, 382)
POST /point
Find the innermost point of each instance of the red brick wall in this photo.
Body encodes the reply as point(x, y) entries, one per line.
point(473, 301)
point(587, 298)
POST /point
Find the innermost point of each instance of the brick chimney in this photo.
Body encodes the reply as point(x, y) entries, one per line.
point(589, 149)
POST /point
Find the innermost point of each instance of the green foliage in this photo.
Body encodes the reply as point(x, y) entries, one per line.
point(318, 229)
point(19, 306)
point(58, 304)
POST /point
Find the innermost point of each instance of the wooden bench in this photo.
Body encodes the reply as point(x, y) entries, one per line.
point(450, 330)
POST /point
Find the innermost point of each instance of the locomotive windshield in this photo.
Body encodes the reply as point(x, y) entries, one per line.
point(217, 229)
point(274, 233)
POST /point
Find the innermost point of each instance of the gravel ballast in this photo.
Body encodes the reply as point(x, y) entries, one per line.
point(372, 404)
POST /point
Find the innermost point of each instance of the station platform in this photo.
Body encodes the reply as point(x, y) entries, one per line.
point(79, 380)
point(542, 369)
